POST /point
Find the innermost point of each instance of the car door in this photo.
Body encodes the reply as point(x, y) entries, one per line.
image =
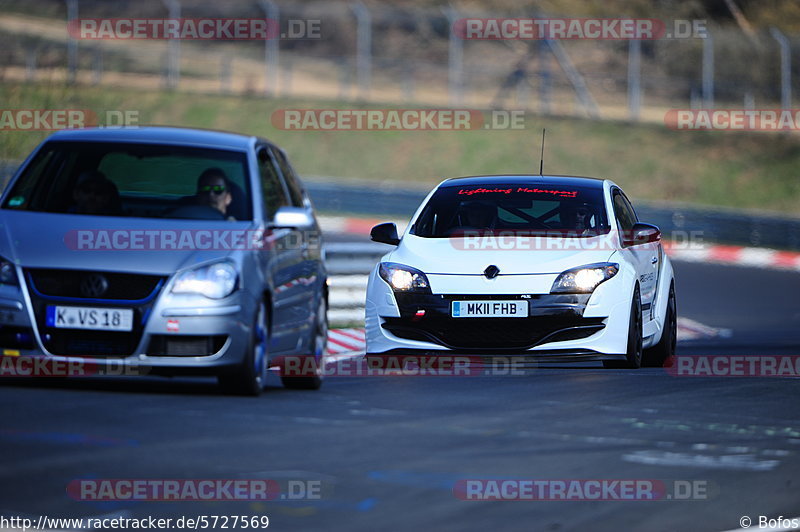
point(282, 256)
point(644, 256)
point(311, 271)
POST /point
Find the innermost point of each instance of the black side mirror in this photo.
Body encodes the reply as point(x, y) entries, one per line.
point(641, 234)
point(385, 234)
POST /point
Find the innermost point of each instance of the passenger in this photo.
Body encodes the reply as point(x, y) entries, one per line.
point(477, 215)
point(96, 194)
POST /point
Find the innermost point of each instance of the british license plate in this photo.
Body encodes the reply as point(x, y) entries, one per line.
point(489, 309)
point(91, 318)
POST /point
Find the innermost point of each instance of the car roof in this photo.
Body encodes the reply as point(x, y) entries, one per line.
point(524, 179)
point(158, 135)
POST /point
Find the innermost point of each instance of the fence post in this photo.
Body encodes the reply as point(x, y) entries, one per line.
point(544, 78)
point(271, 48)
point(455, 60)
point(30, 64)
point(225, 70)
point(708, 71)
point(97, 65)
point(173, 46)
point(786, 67)
point(363, 48)
point(634, 78)
point(72, 43)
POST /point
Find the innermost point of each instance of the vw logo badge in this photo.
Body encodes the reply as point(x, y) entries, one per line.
point(94, 285)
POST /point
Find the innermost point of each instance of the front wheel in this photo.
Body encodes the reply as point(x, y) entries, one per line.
point(250, 376)
point(665, 348)
point(319, 343)
point(633, 355)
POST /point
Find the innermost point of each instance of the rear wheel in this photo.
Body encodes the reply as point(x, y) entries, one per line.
point(665, 348)
point(319, 343)
point(250, 376)
point(633, 356)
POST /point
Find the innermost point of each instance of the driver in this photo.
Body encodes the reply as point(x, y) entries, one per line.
point(578, 218)
point(213, 190)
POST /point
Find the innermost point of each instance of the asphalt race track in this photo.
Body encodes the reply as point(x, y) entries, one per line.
point(387, 451)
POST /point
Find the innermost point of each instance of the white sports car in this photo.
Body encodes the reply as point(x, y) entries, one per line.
point(545, 266)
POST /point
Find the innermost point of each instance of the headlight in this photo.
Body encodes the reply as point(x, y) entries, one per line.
point(585, 279)
point(404, 278)
point(214, 281)
point(8, 273)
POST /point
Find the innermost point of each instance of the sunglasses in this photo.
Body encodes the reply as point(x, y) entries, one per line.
point(216, 189)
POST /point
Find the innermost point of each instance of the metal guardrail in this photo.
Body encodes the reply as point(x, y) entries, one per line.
point(699, 223)
point(722, 226)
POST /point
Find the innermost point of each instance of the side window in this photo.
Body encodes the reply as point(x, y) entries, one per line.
point(271, 186)
point(624, 212)
point(295, 190)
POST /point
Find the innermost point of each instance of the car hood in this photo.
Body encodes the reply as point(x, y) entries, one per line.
point(47, 240)
point(511, 255)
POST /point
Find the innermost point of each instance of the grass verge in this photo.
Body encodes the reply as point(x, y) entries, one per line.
point(730, 169)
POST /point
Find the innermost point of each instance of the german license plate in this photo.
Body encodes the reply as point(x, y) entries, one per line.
point(91, 318)
point(489, 309)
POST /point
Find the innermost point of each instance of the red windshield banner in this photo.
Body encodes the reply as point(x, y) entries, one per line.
point(519, 190)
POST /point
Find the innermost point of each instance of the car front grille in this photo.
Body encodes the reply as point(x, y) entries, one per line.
point(69, 288)
point(92, 284)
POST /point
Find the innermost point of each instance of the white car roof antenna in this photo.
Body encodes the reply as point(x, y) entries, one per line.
point(541, 161)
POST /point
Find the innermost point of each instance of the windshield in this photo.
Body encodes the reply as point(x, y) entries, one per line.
point(539, 209)
point(139, 180)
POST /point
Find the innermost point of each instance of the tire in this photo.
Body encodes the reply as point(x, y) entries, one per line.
point(633, 355)
point(319, 342)
point(665, 348)
point(250, 377)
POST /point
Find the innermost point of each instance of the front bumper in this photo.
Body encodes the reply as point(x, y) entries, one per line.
point(171, 334)
point(567, 326)
point(550, 318)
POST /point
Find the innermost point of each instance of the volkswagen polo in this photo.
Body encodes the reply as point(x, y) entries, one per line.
point(167, 250)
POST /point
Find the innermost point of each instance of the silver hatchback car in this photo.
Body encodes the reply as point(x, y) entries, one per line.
point(163, 251)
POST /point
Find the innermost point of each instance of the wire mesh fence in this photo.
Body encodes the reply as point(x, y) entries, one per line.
point(348, 51)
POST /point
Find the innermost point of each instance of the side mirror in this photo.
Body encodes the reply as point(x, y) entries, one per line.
point(641, 234)
point(385, 234)
point(292, 218)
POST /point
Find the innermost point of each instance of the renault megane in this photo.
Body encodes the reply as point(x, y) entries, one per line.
point(546, 266)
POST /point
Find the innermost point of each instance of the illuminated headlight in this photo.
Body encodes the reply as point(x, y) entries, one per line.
point(404, 278)
point(214, 281)
point(585, 279)
point(8, 273)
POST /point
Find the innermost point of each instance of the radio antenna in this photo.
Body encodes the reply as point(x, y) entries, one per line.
point(541, 160)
